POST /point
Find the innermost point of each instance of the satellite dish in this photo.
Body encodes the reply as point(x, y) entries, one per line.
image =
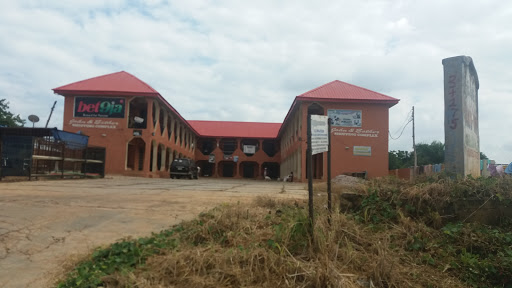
point(34, 119)
point(138, 119)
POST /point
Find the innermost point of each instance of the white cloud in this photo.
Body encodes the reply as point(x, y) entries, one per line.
point(246, 61)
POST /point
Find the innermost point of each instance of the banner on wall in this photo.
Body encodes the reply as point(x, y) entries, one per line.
point(362, 151)
point(345, 118)
point(249, 149)
point(99, 107)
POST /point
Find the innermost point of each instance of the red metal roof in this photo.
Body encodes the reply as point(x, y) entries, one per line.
point(235, 129)
point(341, 91)
point(119, 83)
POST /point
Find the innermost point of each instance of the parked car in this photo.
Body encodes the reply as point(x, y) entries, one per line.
point(183, 167)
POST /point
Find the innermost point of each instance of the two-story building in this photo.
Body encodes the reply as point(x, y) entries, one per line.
point(143, 133)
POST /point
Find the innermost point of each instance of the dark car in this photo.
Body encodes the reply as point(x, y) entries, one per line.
point(183, 167)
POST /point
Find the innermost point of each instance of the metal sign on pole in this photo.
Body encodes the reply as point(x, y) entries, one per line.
point(318, 142)
point(319, 134)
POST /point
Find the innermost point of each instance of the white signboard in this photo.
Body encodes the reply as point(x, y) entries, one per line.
point(362, 151)
point(345, 118)
point(249, 149)
point(319, 134)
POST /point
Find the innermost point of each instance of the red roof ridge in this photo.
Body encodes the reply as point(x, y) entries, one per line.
point(346, 83)
point(71, 87)
point(133, 76)
point(313, 90)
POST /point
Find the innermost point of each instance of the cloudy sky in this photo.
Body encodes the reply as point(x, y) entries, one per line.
point(247, 60)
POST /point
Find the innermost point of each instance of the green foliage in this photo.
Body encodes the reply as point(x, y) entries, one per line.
point(122, 256)
point(374, 210)
point(481, 255)
point(432, 153)
point(8, 119)
point(400, 159)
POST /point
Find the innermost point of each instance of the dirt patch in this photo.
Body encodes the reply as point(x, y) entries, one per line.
point(44, 223)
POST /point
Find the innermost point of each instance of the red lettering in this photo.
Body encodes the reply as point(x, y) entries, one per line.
point(82, 107)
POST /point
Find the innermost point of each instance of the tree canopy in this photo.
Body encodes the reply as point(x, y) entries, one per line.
point(432, 153)
point(8, 119)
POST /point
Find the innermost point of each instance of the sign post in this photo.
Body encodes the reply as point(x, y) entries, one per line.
point(309, 172)
point(329, 200)
point(318, 142)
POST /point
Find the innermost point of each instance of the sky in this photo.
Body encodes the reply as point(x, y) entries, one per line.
point(247, 60)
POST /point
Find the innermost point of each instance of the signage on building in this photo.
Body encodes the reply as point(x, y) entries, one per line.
point(101, 124)
point(345, 118)
point(362, 151)
point(211, 158)
point(359, 132)
point(319, 134)
point(137, 132)
point(249, 149)
point(99, 107)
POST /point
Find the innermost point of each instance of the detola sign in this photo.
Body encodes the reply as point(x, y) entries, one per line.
point(99, 107)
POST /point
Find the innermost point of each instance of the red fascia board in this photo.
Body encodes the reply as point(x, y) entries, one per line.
point(286, 118)
point(233, 136)
point(316, 99)
point(176, 112)
point(102, 93)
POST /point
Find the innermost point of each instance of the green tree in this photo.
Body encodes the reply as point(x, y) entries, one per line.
point(8, 119)
point(432, 153)
point(400, 159)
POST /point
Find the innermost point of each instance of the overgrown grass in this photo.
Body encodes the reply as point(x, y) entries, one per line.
point(390, 239)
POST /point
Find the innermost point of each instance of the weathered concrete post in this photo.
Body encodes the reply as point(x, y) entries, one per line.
point(462, 150)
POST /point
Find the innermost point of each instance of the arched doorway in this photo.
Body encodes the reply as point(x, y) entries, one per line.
point(135, 154)
point(249, 169)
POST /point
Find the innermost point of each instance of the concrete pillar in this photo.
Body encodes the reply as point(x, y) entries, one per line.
point(162, 157)
point(157, 117)
point(155, 155)
point(165, 124)
point(172, 129)
point(182, 135)
point(462, 143)
point(178, 133)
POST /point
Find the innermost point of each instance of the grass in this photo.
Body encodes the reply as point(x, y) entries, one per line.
point(390, 239)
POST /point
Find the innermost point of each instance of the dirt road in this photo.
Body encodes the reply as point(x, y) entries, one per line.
point(42, 223)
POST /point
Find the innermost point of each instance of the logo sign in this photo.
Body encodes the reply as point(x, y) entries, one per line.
point(362, 151)
point(137, 132)
point(249, 149)
point(319, 134)
point(345, 118)
point(211, 158)
point(99, 107)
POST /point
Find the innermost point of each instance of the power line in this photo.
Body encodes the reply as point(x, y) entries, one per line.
point(408, 117)
point(410, 120)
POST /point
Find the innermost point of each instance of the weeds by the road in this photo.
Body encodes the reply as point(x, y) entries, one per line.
point(389, 240)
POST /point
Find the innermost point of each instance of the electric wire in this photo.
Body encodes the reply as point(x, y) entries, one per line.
point(408, 117)
point(400, 132)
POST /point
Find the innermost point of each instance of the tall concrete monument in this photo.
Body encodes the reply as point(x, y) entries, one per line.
point(462, 150)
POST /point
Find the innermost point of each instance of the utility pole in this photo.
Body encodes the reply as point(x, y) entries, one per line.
point(51, 112)
point(414, 145)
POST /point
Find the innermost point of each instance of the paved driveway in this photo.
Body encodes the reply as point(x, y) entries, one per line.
point(42, 223)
